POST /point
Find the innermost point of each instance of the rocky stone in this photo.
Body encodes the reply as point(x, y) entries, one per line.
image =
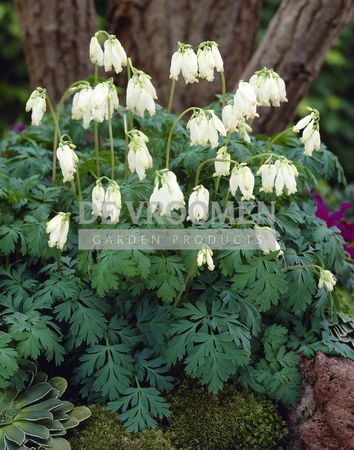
point(331, 426)
point(323, 417)
point(305, 406)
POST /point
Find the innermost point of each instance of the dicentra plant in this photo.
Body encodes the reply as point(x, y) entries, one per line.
point(121, 320)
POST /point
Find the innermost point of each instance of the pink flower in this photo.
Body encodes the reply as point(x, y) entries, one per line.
point(336, 219)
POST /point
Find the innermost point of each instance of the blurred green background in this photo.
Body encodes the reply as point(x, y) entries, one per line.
point(332, 93)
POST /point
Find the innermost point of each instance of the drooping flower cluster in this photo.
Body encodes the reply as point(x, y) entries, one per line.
point(192, 66)
point(141, 94)
point(113, 55)
point(278, 175)
point(209, 58)
point(167, 195)
point(311, 131)
point(265, 87)
point(58, 228)
point(269, 87)
point(204, 126)
point(139, 158)
point(67, 159)
point(326, 279)
point(198, 205)
point(242, 178)
point(204, 256)
point(37, 103)
point(185, 61)
point(107, 203)
point(242, 107)
point(96, 104)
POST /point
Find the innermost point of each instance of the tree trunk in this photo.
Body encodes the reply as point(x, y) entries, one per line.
point(56, 36)
point(150, 30)
point(295, 46)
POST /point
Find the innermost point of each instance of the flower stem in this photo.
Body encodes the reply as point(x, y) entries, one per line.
point(223, 86)
point(188, 276)
point(111, 138)
point(59, 107)
point(73, 187)
point(207, 161)
point(308, 266)
point(130, 69)
point(261, 155)
point(95, 130)
point(216, 186)
point(126, 168)
point(278, 136)
point(57, 257)
point(173, 84)
point(226, 200)
point(192, 108)
point(56, 134)
point(78, 183)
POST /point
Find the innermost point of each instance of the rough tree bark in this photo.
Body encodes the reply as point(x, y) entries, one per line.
point(295, 46)
point(150, 30)
point(56, 35)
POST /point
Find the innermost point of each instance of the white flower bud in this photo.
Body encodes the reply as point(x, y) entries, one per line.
point(114, 55)
point(141, 94)
point(176, 64)
point(269, 87)
point(218, 62)
point(68, 160)
point(230, 118)
point(268, 172)
point(245, 102)
point(310, 134)
point(303, 123)
point(243, 178)
point(326, 278)
point(268, 241)
point(198, 205)
point(37, 102)
point(222, 168)
point(286, 173)
point(112, 202)
point(58, 228)
point(206, 64)
point(168, 197)
point(38, 110)
point(96, 52)
point(139, 158)
point(204, 256)
point(98, 195)
point(189, 66)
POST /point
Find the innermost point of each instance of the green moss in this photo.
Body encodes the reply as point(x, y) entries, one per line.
point(231, 420)
point(103, 430)
point(228, 421)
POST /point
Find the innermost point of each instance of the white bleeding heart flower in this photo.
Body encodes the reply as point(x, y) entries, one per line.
point(58, 228)
point(68, 160)
point(198, 205)
point(167, 195)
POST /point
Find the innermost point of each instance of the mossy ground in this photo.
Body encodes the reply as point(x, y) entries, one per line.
point(231, 420)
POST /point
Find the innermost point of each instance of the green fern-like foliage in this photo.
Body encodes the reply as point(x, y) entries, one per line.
point(231, 420)
point(103, 430)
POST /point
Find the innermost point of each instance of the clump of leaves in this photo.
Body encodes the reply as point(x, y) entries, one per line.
point(36, 415)
point(121, 320)
point(228, 421)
